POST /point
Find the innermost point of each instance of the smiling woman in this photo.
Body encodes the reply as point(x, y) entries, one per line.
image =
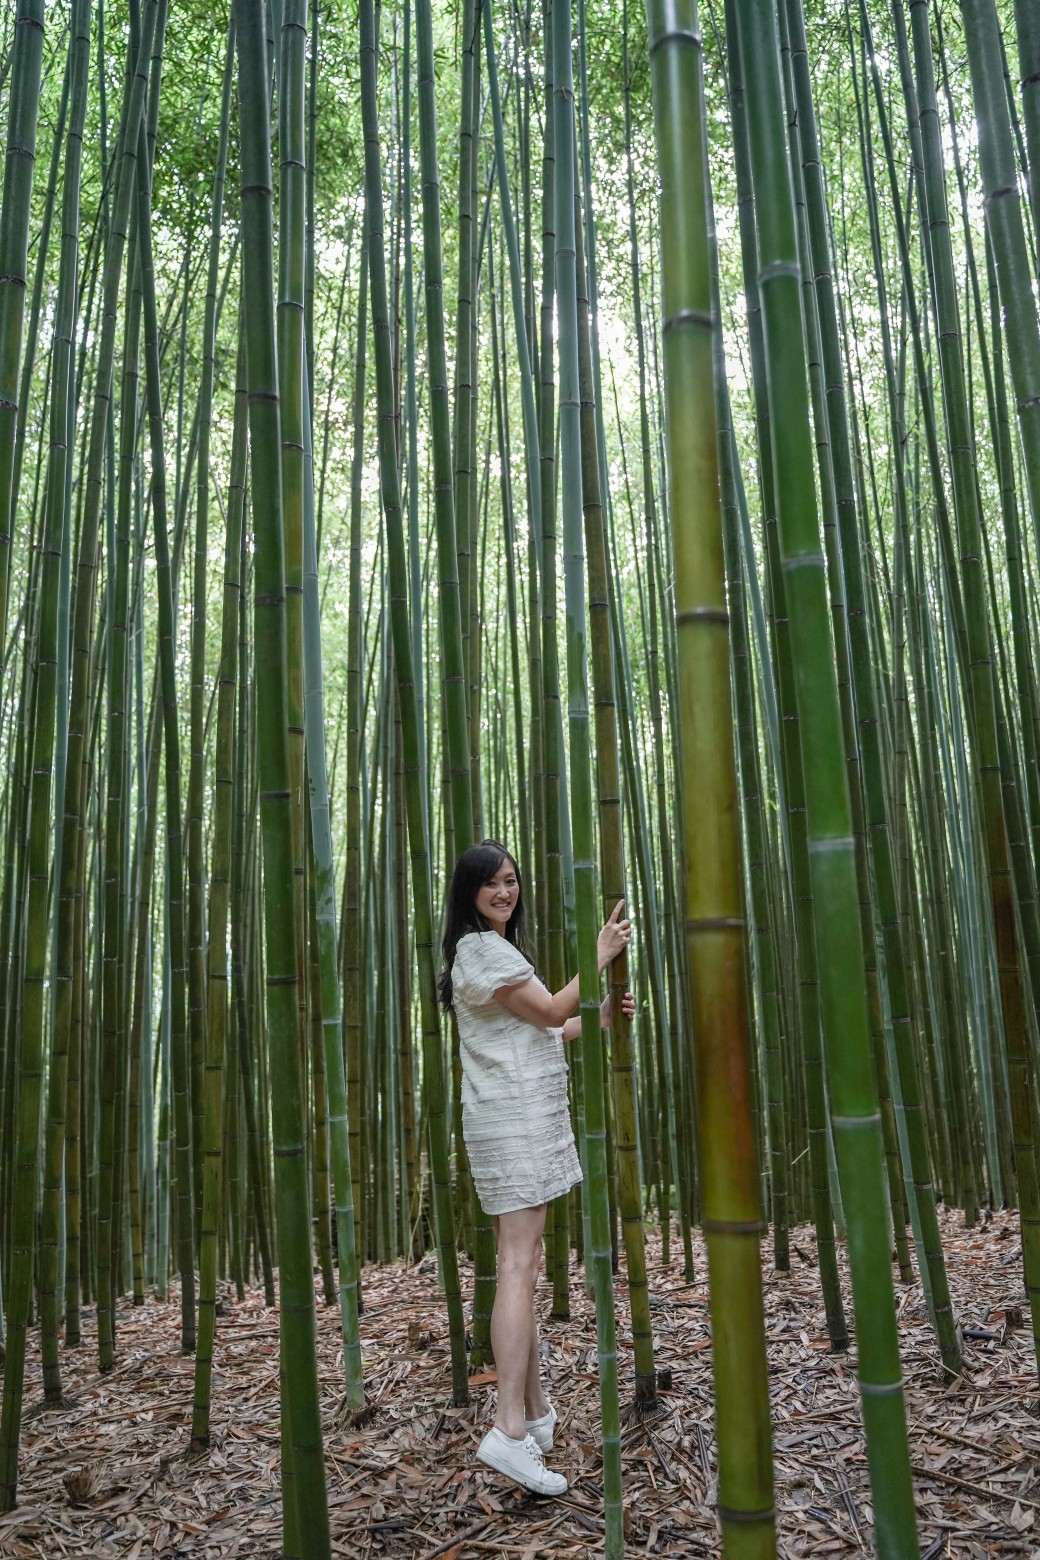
point(498, 897)
point(516, 1124)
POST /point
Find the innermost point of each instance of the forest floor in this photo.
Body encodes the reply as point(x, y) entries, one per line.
point(108, 1476)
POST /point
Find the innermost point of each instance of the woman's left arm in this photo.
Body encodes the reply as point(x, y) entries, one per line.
point(572, 1028)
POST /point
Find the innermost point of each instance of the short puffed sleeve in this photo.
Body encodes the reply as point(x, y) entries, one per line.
point(485, 962)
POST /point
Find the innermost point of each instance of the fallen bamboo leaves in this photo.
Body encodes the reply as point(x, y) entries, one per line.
point(108, 1477)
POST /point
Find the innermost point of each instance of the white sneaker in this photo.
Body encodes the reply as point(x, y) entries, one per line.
point(520, 1460)
point(541, 1430)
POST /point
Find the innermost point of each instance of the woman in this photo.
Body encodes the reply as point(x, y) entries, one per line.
point(516, 1125)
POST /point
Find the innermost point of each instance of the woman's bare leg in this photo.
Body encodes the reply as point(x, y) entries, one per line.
point(513, 1332)
point(536, 1404)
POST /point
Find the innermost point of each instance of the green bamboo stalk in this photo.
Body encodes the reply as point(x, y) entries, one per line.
point(289, 20)
point(1000, 809)
point(527, 387)
point(731, 1216)
point(309, 241)
point(668, 899)
point(527, 382)
point(465, 510)
point(1004, 224)
point(463, 453)
point(806, 994)
point(199, 976)
point(874, 798)
point(331, 1009)
point(411, 397)
point(140, 1035)
point(73, 1175)
point(70, 938)
point(659, 1069)
point(449, 605)
point(551, 908)
point(113, 994)
point(764, 931)
point(530, 834)
point(133, 1234)
point(421, 886)
point(408, 1169)
point(26, 400)
point(20, 160)
point(303, 1471)
point(59, 493)
point(608, 781)
point(855, 1117)
point(321, 1193)
point(171, 750)
point(469, 390)
point(520, 827)
point(598, 1257)
point(351, 952)
point(219, 887)
point(1027, 23)
point(884, 698)
point(30, 1055)
point(247, 1024)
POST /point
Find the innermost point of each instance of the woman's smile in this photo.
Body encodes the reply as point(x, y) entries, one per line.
point(496, 900)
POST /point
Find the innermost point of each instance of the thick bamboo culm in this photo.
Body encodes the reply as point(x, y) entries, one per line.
point(616, 433)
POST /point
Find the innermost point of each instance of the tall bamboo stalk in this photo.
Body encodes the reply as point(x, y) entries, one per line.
point(19, 163)
point(1005, 227)
point(58, 498)
point(330, 1005)
point(874, 797)
point(806, 998)
point(598, 1257)
point(217, 920)
point(418, 844)
point(731, 1216)
point(303, 1476)
point(853, 1097)
point(199, 985)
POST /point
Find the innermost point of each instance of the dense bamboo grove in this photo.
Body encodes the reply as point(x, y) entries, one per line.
point(614, 432)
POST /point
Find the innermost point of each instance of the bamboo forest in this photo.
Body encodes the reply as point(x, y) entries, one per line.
point(604, 428)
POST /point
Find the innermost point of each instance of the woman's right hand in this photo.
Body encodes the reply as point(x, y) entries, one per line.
point(615, 936)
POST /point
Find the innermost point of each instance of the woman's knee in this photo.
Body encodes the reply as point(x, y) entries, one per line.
point(520, 1246)
point(518, 1264)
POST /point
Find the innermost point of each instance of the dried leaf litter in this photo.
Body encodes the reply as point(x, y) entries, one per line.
point(107, 1476)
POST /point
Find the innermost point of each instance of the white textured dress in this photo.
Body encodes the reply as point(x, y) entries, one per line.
point(515, 1118)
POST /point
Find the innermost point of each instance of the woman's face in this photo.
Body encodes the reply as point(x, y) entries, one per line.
point(496, 899)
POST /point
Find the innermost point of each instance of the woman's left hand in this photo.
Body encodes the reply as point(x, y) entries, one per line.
point(628, 1007)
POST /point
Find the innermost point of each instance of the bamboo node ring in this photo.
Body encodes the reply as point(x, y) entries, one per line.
point(703, 615)
point(727, 1514)
point(734, 1226)
point(777, 270)
point(702, 318)
point(881, 1388)
point(678, 35)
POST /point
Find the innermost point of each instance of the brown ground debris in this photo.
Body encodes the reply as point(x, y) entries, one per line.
point(108, 1476)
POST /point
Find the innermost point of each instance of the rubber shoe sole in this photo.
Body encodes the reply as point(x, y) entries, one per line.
point(541, 1430)
point(520, 1461)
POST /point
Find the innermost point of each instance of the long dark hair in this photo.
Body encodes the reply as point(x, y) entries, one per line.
point(475, 867)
